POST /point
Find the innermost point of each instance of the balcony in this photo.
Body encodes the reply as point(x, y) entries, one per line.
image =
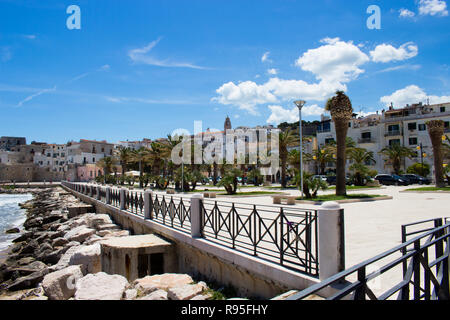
point(366, 140)
point(393, 133)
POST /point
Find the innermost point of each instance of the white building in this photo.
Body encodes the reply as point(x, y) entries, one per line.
point(405, 126)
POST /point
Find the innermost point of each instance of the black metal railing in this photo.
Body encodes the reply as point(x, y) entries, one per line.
point(172, 211)
point(285, 236)
point(426, 276)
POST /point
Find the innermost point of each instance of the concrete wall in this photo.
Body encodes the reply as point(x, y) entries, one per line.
point(250, 276)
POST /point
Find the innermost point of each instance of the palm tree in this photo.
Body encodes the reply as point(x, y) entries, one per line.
point(106, 164)
point(320, 157)
point(394, 155)
point(141, 156)
point(340, 108)
point(286, 139)
point(436, 132)
point(124, 159)
point(360, 157)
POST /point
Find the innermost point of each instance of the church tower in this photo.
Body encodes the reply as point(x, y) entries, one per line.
point(227, 125)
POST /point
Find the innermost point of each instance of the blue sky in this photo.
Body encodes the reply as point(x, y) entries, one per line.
point(140, 69)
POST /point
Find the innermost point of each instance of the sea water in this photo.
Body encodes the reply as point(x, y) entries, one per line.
point(11, 216)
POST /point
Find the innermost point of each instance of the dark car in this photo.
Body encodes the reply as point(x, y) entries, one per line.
point(392, 179)
point(331, 180)
point(416, 179)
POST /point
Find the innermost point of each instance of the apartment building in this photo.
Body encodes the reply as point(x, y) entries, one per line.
point(6, 143)
point(405, 126)
point(54, 157)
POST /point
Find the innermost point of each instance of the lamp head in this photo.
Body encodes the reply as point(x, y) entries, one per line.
point(299, 103)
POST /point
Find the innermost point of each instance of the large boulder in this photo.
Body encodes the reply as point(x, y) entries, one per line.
point(79, 234)
point(65, 258)
point(97, 220)
point(156, 295)
point(89, 257)
point(29, 281)
point(60, 285)
point(164, 281)
point(101, 286)
point(185, 292)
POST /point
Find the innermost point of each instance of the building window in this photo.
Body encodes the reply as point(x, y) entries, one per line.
point(329, 140)
point(442, 109)
point(412, 126)
point(422, 127)
point(366, 135)
point(394, 141)
point(412, 141)
point(446, 124)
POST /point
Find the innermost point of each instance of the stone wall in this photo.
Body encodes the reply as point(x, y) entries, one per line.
point(28, 172)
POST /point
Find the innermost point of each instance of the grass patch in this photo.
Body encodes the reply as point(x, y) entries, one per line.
point(250, 193)
point(333, 197)
point(429, 189)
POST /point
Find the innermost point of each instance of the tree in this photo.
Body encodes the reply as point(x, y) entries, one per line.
point(124, 160)
point(254, 176)
point(394, 155)
point(230, 180)
point(360, 157)
point(417, 168)
point(311, 185)
point(340, 108)
point(320, 157)
point(141, 156)
point(106, 164)
point(286, 139)
point(436, 132)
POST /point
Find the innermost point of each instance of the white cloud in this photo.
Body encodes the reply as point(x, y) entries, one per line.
point(386, 53)
point(272, 71)
point(140, 55)
point(413, 67)
point(336, 61)
point(411, 94)
point(405, 13)
point(433, 7)
point(29, 36)
point(247, 95)
point(265, 57)
point(279, 114)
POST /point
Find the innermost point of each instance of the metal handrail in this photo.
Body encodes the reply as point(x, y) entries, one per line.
point(361, 266)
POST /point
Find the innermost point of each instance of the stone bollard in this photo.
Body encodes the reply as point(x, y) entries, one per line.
point(196, 216)
point(148, 205)
point(108, 195)
point(122, 198)
point(331, 239)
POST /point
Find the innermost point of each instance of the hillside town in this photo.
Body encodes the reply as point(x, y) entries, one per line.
point(84, 160)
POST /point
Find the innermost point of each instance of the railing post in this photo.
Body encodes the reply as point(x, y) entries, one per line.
point(148, 205)
point(108, 195)
point(331, 239)
point(196, 216)
point(122, 199)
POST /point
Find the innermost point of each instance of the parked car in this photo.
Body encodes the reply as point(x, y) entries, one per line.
point(416, 179)
point(323, 178)
point(392, 179)
point(331, 180)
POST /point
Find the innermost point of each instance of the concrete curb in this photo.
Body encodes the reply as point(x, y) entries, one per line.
point(346, 201)
point(424, 191)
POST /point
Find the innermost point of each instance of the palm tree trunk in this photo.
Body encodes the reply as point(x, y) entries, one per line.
point(283, 171)
point(436, 141)
point(140, 173)
point(341, 134)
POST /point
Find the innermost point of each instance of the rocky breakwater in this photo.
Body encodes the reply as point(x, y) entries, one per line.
point(59, 258)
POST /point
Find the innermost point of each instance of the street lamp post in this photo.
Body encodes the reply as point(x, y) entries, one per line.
point(182, 167)
point(300, 104)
